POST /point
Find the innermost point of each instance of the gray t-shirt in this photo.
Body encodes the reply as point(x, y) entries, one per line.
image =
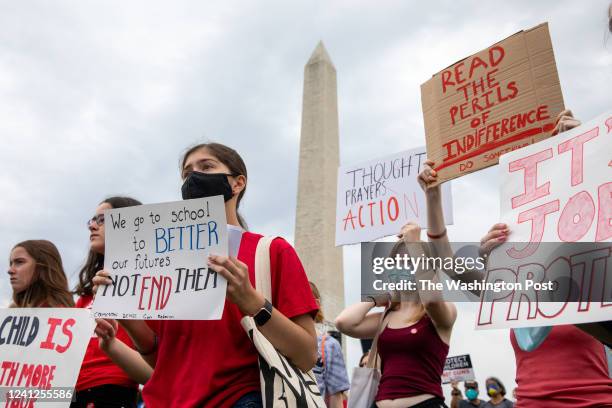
point(468, 404)
point(504, 404)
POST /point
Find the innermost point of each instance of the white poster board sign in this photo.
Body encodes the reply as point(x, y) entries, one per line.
point(157, 258)
point(458, 368)
point(41, 351)
point(376, 198)
point(560, 191)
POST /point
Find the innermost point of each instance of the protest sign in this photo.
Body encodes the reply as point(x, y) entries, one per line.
point(500, 99)
point(458, 368)
point(376, 198)
point(556, 191)
point(157, 258)
point(41, 352)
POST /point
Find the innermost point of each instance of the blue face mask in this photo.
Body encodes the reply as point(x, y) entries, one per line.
point(471, 394)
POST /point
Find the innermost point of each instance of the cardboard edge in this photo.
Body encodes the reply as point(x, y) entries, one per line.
point(492, 45)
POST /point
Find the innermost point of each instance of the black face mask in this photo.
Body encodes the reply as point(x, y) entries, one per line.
point(201, 185)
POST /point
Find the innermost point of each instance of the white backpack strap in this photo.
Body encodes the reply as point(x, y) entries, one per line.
point(263, 280)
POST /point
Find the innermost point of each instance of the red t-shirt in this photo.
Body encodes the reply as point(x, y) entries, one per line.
point(569, 369)
point(97, 369)
point(213, 363)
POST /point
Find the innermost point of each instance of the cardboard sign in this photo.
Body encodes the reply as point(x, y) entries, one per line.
point(500, 99)
point(157, 258)
point(376, 198)
point(559, 191)
point(41, 351)
point(458, 368)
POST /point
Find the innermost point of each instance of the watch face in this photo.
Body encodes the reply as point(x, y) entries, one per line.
point(264, 314)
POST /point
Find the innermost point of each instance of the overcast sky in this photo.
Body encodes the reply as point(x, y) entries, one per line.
point(100, 98)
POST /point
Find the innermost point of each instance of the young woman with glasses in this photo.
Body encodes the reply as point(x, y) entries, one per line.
point(101, 382)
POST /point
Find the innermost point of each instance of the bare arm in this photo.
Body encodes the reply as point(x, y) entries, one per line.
point(336, 400)
point(355, 321)
point(143, 337)
point(455, 395)
point(442, 313)
point(295, 338)
point(435, 215)
point(128, 359)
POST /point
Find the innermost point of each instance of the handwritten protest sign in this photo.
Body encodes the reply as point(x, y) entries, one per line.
point(376, 198)
point(500, 99)
point(458, 368)
point(560, 191)
point(157, 258)
point(41, 351)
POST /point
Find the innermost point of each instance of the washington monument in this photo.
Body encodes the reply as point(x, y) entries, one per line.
point(317, 178)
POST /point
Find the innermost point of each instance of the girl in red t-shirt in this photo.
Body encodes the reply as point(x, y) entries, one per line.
point(101, 382)
point(213, 363)
point(37, 276)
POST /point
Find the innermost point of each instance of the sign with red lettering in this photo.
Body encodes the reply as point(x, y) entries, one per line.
point(500, 99)
point(157, 259)
point(41, 351)
point(376, 198)
point(458, 368)
point(556, 191)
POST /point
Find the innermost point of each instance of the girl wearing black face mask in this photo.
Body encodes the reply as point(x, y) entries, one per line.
point(213, 363)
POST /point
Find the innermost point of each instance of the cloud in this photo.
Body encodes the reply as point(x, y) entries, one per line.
point(101, 99)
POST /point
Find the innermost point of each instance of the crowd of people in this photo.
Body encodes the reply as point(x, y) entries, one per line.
point(174, 363)
point(413, 332)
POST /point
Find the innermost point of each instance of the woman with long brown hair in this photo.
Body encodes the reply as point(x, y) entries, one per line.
point(37, 276)
point(101, 382)
point(415, 334)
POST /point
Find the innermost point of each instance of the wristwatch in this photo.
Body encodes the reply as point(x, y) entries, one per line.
point(264, 314)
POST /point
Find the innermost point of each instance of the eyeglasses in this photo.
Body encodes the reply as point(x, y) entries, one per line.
point(98, 219)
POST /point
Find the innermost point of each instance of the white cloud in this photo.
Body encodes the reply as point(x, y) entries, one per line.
point(101, 98)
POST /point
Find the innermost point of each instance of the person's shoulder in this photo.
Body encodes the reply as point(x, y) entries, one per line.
point(278, 243)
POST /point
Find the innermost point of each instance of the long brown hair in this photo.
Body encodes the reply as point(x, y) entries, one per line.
point(95, 261)
point(319, 318)
point(49, 285)
point(230, 158)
